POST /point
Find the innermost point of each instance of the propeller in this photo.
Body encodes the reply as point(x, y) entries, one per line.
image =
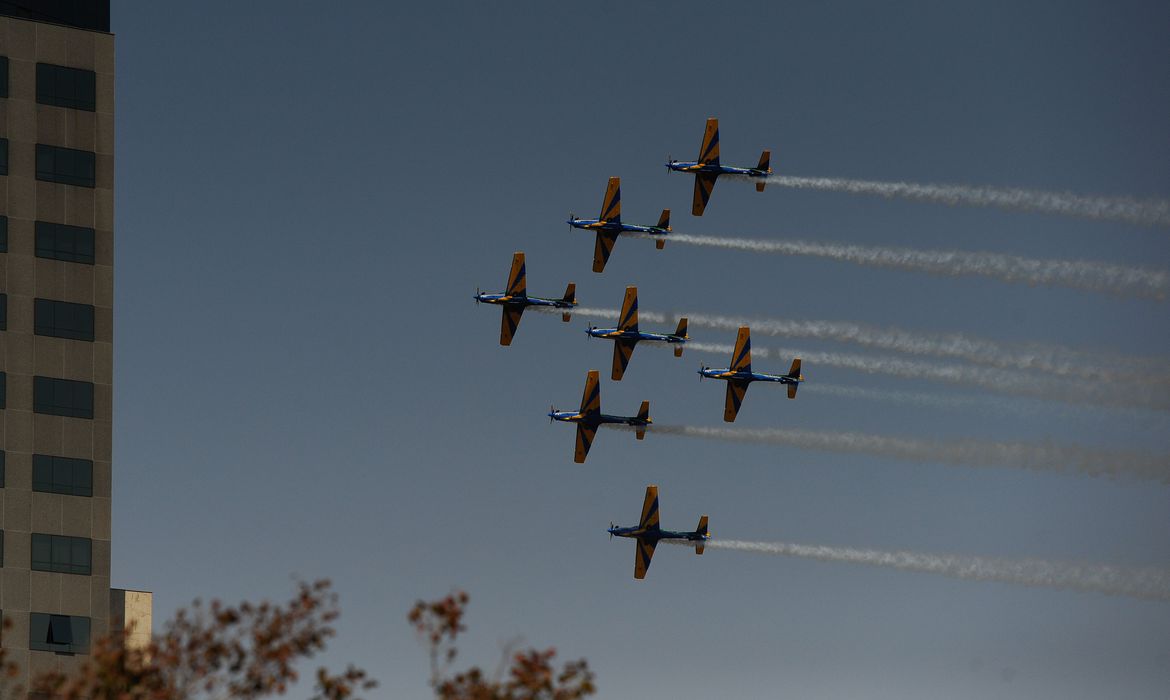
point(551, 411)
point(701, 368)
point(477, 293)
point(611, 530)
point(570, 221)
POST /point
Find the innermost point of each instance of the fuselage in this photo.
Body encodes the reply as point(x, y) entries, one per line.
point(616, 227)
point(729, 375)
point(597, 418)
point(680, 166)
point(517, 300)
point(656, 534)
point(619, 334)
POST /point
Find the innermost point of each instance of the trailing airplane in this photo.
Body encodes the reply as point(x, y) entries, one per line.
point(648, 533)
point(740, 375)
point(515, 299)
point(707, 168)
point(627, 335)
point(590, 417)
point(609, 225)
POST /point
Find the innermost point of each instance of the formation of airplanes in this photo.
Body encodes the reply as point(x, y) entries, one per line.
point(607, 227)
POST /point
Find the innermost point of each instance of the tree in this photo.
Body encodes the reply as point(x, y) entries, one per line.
point(530, 676)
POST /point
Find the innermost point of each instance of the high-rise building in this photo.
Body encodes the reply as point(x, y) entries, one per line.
point(56, 330)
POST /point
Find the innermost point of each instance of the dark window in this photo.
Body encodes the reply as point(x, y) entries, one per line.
point(68, 166)
point(62, 397)
point(2, 470)
point(3, 234)
point(3, 312)
point(1, 548)
point(3, 76)
point(62, 319)
point(72, 477)
point(66, 87)
point(64, 634)
point(63, 242)
point(62, 554)
point(3, 390)
point(3, 156)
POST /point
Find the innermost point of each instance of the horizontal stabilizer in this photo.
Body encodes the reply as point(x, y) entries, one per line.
point(702, 532)
point(570, 294)
point(794, 371)
point(681, 330)
point(566, 316)
point(660, 243)
point(792, 390)
point(765, 161)
point(678, 351)
point(760, 186)
point(664, 220)
point(644, 411)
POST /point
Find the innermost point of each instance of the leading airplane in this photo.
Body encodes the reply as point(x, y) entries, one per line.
point(590, 417)
point(648, 533)
point(515, 299)
point(627, 335)
point(609, 225)
point(740, 375)
point(707, 168)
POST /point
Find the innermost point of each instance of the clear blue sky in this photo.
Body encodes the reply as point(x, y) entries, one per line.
point(309, 194)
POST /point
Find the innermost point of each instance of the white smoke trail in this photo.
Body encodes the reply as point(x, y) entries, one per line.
point(1145, 212)
point(1052, 359)
point(1091, 276)
point(1045, 456)
point(995, 380)
point(1138, 582)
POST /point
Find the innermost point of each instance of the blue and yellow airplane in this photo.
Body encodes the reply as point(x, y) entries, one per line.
point(590, 417)
point(740, 375)
point(609, 225)
point(516, 299)
point(627, 335)
point(648, 533)
point(707, 168)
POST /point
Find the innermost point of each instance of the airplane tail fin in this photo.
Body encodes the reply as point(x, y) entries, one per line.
point(701, 530)
point(569, 298)
point(664, 220)
point(765, 165)
point(643, 414)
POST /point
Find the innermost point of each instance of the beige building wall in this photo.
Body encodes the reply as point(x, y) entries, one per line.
point(24, 277)
point(131, 613)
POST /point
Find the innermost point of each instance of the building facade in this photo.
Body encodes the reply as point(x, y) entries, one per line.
point(56, 329)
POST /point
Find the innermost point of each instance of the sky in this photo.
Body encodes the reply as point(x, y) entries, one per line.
point(309, 194)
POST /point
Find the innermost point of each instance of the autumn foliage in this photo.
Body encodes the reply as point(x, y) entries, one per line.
point(250, 651)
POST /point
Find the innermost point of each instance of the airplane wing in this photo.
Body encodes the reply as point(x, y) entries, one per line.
point(735, 393)
point(602, 248)
point(585, 435)
point(622, 350)
point(741, 357)
point(643, 553)
point(510, 322)
point(591, 399)
point(628, 321)
point(704, 185)
point(611, 206)
point(649, 519)
point(709, 151)
point(517, 284)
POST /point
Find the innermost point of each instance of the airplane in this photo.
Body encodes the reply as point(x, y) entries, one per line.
point(609, 225)
point(648, 533)
point(707, 168)
point(515, 299)
point(627, 335)
point(590, 417)
point(740, 375)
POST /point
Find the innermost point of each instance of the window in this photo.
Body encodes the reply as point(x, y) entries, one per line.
point(62, 554)
point(65, 165)
point(62, 397)
point(2, 470)
point(3, 156)
point(63, 242)
point(62, 319)
point(3, 390)
point(3, 312)
point(3, 76)
point(64, 634)
point(66, 87)
point(3, 234)
point(72, 477)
